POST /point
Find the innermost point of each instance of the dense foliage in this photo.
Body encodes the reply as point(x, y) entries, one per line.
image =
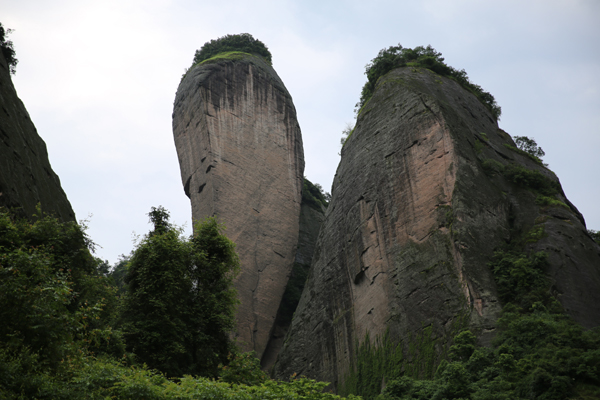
point(243, 42)
point(55, 306)
point(420, 57)
point(8, 51)
point(57, 309)
point(180, 303)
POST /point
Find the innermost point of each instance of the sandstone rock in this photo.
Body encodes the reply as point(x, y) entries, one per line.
point(26, 177)
point(413, 222)
point(312, 214)
point(241, 159)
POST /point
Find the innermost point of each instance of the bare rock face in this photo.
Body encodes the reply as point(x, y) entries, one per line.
point(240, 153)
point(418, 208)
point(26, 177)
point(312, 214)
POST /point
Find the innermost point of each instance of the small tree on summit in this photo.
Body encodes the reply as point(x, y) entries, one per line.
point(243, 42)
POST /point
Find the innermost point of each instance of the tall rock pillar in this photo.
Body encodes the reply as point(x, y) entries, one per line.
point(241, 158)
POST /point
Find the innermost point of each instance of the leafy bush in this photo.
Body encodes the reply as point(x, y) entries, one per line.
point(546, 201)
point(242, 368)
point(519, 277)
point(538, 353)
point(243, 42)
point(6, 46)
point(531, 179)
point(423, 57)
point(491, 166)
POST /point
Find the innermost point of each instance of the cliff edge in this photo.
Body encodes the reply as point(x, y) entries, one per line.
point(26, 177)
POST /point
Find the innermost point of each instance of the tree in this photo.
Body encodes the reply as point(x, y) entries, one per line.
point(346, 133)
point(6, 46)
point(529, 146)
point(180, 304)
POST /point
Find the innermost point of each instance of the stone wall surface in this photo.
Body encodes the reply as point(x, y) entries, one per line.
point(26, 177)
point(311, 218)
point(413, 222)
point(241, 158)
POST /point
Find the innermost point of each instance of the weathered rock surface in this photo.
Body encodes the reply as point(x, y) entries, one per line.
point(241, 158)
point(312, 214)
point(26, 177)
point(413, 221)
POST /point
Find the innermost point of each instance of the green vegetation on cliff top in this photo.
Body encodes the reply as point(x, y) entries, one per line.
point(228, 55)
point(423, 57)
point(6, 46)
point(243, 42)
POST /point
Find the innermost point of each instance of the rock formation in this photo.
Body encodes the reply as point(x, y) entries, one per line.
point(241, 159)
point(418, 207)
point(26, 177)
point(312, 214)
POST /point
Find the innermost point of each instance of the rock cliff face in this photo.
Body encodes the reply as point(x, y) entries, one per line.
point(26, 177)
point(418, 208)
point(240, 153)
point(312, 214)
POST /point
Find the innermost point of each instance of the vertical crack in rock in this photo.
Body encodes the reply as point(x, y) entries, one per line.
point(239, 143)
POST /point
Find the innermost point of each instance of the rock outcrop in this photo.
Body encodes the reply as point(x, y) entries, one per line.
point(418, 207)
point(241, 158)
point(26, 177)
point(312, 214)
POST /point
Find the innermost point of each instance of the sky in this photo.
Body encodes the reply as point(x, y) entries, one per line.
point(98, 79)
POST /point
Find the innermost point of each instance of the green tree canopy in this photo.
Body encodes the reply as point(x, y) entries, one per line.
point(180, 304)
point(529, 146)
point(241, 42)
point(423, 57)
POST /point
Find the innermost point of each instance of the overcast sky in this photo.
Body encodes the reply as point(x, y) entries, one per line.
point(99, 79)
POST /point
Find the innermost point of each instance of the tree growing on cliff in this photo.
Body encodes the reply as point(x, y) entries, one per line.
point(421, 57)
point(529, 146)
point(6, 46)
point(180, 304)
point(242, 42)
